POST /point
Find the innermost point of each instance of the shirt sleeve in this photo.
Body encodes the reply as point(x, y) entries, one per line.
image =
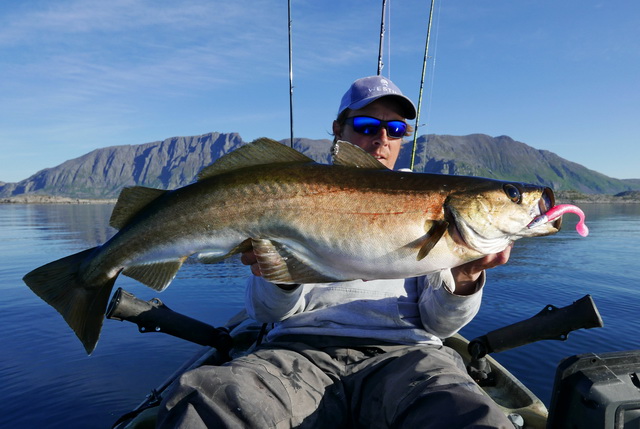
point(442, 312)
point(267, 303)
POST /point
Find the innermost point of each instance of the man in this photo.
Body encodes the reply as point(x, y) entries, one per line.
point(350, 354)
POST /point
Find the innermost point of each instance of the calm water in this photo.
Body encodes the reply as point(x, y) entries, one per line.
point(48, 381)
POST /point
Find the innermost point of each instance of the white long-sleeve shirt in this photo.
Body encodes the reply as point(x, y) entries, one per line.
point(419, 310)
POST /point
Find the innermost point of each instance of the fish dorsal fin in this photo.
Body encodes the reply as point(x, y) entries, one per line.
point(258, 152)
point(433, 236)
point(130, 201)
point(349, 155)
point(156, 275)
point(279, 265)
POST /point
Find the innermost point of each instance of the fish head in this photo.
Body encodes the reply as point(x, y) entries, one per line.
point(489, 217)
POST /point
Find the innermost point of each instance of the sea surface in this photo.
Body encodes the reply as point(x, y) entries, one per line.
point(48, 381)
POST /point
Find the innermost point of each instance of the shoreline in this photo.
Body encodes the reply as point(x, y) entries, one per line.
point(562, 197)
point(574, 197)
point(49, 199)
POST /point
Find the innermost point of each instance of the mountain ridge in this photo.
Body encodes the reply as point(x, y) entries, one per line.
point(175, 161)
point(507, 159)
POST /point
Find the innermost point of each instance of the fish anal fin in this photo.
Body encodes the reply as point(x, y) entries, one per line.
point(349, 155)
point(156, 275)
point(81, 305)
point(258, 152)
point(130, 202)
point(435, 233)
point(278, 265)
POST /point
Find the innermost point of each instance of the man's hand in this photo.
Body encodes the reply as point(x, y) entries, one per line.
point(468, 274)
point(249, 258)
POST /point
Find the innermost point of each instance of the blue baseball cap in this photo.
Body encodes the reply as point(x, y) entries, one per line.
point(368, 89)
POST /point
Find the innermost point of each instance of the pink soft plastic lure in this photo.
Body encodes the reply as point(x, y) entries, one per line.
point(556, 211)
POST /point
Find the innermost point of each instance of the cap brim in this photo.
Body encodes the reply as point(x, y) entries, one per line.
point(408, 109)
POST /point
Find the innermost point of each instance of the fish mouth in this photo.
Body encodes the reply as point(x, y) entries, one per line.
point(463, 233)
point(546, 202)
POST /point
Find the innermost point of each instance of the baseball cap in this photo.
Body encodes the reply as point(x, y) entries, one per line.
point(368, 89)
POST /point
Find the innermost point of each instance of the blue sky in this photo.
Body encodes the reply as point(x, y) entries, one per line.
point(77, 75)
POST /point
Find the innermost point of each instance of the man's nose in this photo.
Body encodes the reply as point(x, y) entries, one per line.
point(382, 137)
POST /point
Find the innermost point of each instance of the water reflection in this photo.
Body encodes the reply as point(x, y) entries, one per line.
point(88, 223)
point(42, 362)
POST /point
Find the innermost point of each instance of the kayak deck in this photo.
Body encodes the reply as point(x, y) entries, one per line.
point(507, 391)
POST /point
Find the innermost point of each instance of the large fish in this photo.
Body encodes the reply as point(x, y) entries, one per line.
point(307, 222)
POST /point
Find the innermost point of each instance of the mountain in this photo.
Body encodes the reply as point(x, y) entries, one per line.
point(504, 158)
point(103, 172)
point(175, 162)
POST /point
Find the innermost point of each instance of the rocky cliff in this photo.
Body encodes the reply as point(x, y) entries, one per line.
point(175, 162)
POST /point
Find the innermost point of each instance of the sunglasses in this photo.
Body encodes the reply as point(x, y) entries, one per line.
point(370, 126)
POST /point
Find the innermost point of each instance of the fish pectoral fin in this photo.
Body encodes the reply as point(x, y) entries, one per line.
point(130, 202)
point(258, 152)
point(434, 235)
point(215, 257)
point(156, 275)
point(349, 155)
point(279, 265)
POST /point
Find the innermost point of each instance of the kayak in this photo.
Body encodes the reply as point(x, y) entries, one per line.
point(589, 390)
point(515, 399)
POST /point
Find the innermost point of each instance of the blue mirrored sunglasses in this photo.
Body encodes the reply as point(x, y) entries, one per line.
point(370, 126)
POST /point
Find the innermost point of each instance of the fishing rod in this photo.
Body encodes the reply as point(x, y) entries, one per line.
point(424, 70)
point(290, 77)
point(382, 29)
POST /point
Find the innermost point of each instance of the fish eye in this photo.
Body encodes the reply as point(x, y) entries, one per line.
point(513, 193)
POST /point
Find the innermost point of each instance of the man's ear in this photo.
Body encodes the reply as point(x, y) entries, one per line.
point(337, 130)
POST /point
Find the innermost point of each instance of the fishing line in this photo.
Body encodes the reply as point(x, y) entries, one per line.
point(431, 83)
point(424, 71)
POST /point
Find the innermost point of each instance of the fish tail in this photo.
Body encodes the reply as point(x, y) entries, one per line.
point(81, 305)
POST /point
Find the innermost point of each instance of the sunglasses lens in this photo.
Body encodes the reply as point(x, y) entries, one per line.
point(396, 129)
point(365, 125)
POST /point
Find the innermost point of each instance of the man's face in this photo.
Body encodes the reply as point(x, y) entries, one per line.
point(384, 148)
